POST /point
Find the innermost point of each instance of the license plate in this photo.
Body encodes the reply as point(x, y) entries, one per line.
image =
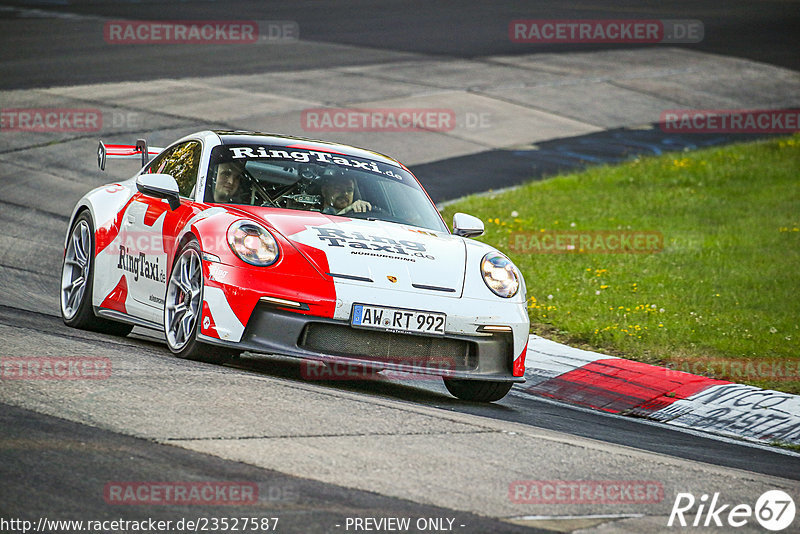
point(398, 319)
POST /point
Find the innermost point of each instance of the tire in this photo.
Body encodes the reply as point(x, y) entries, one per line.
point(183, 308)
point(477, 390)
point(77, 282)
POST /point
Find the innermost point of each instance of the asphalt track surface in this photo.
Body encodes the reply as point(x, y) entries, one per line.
point(75, 52)
point(58, 467)
point(80, 460)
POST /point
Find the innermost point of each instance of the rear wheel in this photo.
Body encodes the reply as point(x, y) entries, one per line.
point(477, 390)
point(184, 307)
point(77, 282)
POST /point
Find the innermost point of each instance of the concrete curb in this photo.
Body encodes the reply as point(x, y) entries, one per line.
point(626, 387)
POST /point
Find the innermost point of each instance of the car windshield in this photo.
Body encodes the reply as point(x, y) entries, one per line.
point(313, 180)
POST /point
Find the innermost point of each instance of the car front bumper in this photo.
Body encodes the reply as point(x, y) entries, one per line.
point(271, 330)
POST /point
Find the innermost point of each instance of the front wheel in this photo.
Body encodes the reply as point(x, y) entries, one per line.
point(477, 390)
point(183, 308)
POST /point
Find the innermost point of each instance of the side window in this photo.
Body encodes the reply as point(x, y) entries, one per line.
point(182, 163)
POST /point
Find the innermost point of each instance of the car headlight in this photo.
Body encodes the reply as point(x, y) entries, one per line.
point(252, 243)
point(500, 275)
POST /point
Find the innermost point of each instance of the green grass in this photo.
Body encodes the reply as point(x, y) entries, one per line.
point(723, 291)
point(790, 446)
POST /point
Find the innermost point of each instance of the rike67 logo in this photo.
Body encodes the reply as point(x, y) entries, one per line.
point(774, 510)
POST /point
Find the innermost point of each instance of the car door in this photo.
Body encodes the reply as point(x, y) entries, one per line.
point(151, 227)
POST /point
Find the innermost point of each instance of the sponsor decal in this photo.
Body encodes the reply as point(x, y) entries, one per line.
point(217, 273)
point(313, 156)
point(156, 299)
point(140, 265)
point(774, 510)
point(740, 409)
point(361, 253)
point(333, 237)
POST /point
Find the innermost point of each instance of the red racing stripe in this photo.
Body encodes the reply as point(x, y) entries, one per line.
point(208, 328)
point(518, 369)
point(124, 151)
point(116, 299)
point(108, 231)
point(618, 385)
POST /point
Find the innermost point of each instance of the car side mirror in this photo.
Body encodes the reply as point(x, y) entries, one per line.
point(160, 186)
point(466, 225)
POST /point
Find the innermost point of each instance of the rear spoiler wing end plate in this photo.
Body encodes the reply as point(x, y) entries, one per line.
point(137, 151)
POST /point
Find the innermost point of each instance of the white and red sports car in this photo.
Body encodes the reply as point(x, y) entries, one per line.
point(234, 241)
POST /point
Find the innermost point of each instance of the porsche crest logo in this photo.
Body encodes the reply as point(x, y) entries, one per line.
point(392, 279)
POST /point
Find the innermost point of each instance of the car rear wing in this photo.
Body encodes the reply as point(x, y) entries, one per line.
point(139, 150)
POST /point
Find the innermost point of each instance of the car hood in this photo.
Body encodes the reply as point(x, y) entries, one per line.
point(377, 253)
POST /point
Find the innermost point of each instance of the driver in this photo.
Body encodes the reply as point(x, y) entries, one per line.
point(337, 196)
point(228, 187)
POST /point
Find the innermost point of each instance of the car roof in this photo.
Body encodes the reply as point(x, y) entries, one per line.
point(301, 143)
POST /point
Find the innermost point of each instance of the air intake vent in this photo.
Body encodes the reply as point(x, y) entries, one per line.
point(339, 340)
